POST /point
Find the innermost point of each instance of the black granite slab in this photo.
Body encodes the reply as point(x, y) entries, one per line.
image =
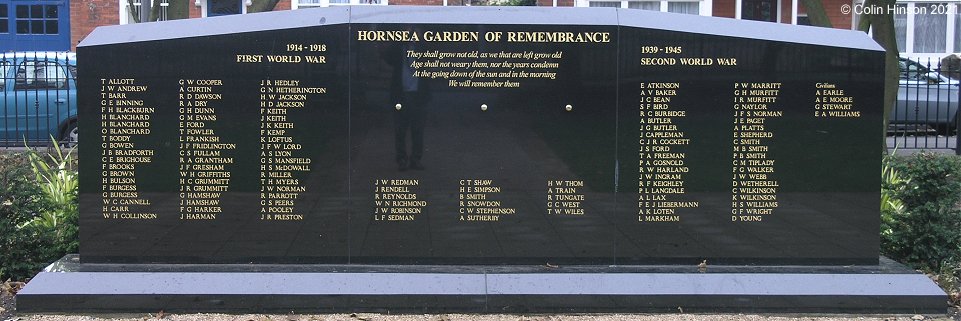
point(479, 136)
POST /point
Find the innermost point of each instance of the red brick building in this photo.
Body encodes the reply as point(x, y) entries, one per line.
point(925, 28)
point(89, 14)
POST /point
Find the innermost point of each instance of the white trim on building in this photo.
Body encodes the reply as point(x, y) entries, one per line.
point(699, 7)
point(303, 4)
point(126, 15)
point(794, 12)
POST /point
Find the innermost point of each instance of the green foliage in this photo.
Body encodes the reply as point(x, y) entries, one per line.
point(21, 200)
point(38, 210)
point(57, 178)
point(892, 183)
point(927, 230)
point(514, 3)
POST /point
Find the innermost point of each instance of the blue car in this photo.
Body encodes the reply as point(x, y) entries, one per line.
point(39, 98)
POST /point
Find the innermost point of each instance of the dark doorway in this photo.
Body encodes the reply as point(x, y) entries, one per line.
point(224, 7)
point(760, 10)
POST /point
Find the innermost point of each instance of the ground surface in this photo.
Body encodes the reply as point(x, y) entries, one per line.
point(495, 317)
point(8, 308)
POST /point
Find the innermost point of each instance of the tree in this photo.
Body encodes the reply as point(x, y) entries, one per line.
point(816, 13)
point(176, 9)
point(881, 26)
point(262, 5)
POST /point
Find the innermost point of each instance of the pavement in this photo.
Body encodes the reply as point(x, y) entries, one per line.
point(486, 317)
point(7, 313)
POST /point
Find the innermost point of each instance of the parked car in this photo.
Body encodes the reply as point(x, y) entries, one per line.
point(925, 97)
point(39, 97)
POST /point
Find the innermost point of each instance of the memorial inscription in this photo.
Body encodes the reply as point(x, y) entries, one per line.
point(204, 160)
point(420, 143)
point(755, 189)
point(661, 162)
point(123, 116)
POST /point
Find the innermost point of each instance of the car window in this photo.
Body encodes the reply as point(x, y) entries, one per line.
point(4, 68)
point(912, 70)
point(40, 75)
point(73, 72)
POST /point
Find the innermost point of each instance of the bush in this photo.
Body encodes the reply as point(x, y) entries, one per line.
point(59, 182)
point(21, 200)
point(892, 182)
point(38, 211)
point(926, 231)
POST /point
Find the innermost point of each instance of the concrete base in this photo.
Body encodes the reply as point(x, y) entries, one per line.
point(68, 286)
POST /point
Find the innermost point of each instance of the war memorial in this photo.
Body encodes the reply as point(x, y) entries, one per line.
point(497, 159)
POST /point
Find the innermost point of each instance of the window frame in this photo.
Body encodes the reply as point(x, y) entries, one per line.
point(5, 19)
point(704, 6)
point(297, 4)
point(910, 30)
point(30, 19)
point(125, 13)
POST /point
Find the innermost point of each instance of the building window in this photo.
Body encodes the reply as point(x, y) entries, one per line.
point(688, 7)
point(957, 32)
point(224, 7)
point(37, 19)
point(683, 7)
point(759, 10)
point(160, 10)
point(645, 5)
point(927, 28)
point(933, 28)
point(4, 20)
point(605, 4)
point(303, 4)
point(901, 25)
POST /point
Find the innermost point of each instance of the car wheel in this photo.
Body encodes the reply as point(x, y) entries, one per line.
point(943, 129)
point(69, 137)
point(947, 129)
point(952, 127)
